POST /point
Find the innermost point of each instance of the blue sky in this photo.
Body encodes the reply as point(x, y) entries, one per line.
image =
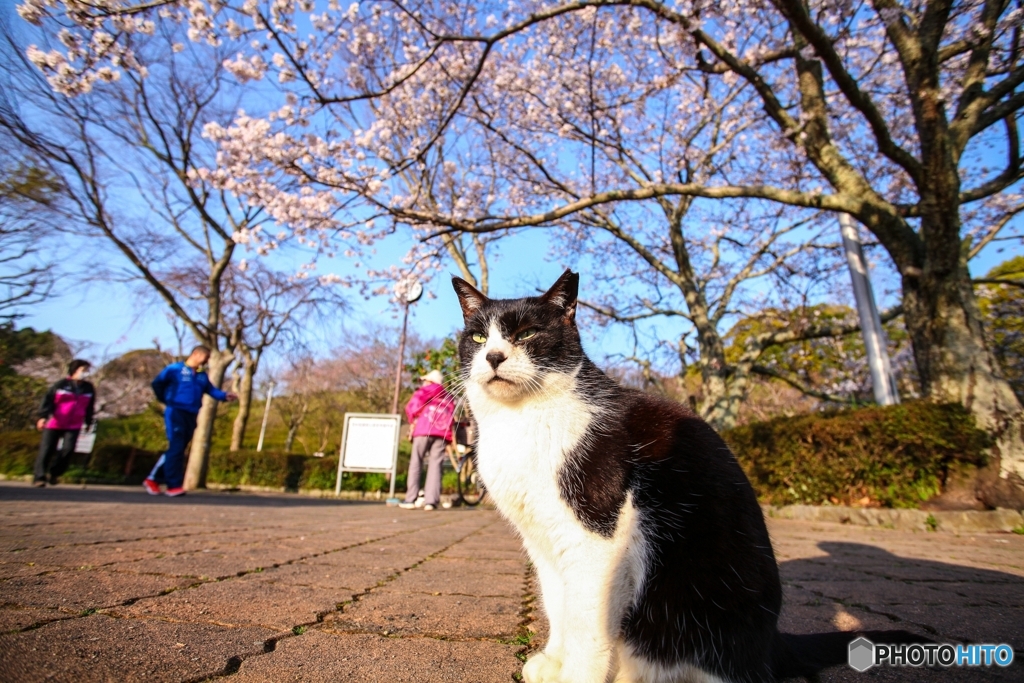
point(106, 319)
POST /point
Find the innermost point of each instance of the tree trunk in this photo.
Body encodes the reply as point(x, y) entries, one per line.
point(199, 455)
point(250, 365)
point(295, 422)
point(956, 365)
point(290, 439)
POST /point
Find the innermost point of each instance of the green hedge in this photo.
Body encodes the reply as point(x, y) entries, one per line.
point(897, 456)
point(894, 457)
point(109, 463)
point(117, 463)
point(274, 469)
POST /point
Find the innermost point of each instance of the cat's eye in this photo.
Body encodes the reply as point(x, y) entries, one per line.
point(526, 334)
point(479, 338)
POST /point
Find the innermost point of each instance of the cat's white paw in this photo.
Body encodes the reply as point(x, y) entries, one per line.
point(542, 668)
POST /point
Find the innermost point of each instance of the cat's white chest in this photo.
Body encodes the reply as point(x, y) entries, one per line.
point(520, 451)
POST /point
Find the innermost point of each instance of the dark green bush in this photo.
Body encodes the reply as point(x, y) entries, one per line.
point(109, 463)
point(896, 456)
point(18, 452)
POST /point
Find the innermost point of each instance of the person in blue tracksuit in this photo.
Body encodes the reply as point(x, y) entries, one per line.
point(180, 387)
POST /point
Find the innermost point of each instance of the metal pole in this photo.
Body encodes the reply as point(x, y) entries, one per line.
point(883, 383)
point(266, 413)
point(401, 359)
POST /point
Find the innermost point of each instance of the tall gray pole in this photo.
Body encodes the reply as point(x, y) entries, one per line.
point(401, 361)
point(266, 413)
point(882, 381)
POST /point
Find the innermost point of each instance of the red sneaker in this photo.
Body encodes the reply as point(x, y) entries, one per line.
point(175, 492)
point(152, 488)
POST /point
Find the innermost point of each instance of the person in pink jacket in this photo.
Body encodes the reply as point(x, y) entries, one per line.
point(67, 407)
point(430, 412)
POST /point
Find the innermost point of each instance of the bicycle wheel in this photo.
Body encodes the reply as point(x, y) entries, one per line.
point(471, 487)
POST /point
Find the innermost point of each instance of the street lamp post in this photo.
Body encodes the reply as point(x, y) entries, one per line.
point(411, 296)
point(883, 383)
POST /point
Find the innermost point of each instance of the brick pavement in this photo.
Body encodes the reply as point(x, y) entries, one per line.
point(112, 585)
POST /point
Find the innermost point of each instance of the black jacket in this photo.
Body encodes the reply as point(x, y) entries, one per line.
point(68, 404)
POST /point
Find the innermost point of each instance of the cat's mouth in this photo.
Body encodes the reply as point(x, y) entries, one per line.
point(498, 378)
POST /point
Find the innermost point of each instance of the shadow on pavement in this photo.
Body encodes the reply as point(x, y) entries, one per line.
point(943, 602)
point(16, 491)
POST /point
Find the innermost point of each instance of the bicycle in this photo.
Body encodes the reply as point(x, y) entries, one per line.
point(471, 486)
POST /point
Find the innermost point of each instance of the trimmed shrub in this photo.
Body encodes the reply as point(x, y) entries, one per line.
point(896, 456)
point(18, 452)
point(109, 463)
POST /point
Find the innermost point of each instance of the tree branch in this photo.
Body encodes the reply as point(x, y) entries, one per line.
point(799, 386)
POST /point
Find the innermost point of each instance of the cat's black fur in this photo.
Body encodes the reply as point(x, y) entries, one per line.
point(712, 594)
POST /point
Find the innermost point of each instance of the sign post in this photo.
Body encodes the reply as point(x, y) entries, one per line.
point(369, 443)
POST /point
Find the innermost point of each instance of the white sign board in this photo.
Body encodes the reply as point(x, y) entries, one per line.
point(369, 443)
point(86, 440)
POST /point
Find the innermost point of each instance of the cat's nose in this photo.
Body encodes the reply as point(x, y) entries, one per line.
point(495, 358)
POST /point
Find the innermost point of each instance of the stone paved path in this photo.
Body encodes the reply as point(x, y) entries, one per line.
point(113, 585)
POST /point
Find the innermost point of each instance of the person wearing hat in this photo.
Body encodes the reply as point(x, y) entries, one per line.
point(430, 412)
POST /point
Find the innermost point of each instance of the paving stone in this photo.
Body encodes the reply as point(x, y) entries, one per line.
point(215, 563)
point(358, 579)
point(179, 543)
point(979, 624)
point(34, 539)
point(316, 657)
point(827, 617)
point(1002, 594)
point(886, 593)
point(17, 618)
point(459, 577)
point(462, 552)
point(10, 570)
point(84, 589)
point(78, 556)
point(325, 576)
point(430, 615)
point(386, 562)
point(100, 648)
point(252, 600)
point(844, 674)
point(812, 570)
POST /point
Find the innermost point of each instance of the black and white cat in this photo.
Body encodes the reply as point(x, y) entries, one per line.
point(653, 558)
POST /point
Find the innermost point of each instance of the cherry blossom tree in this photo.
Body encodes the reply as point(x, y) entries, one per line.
point(27, 199)
point(895, 113)
point(264, 308)
point(138, 140)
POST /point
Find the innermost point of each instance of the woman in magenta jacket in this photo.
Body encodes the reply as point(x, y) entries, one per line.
point(68, 405)
point(430, 412)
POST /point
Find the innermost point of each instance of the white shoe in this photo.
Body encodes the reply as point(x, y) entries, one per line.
point(407, 506)
point(429, 508)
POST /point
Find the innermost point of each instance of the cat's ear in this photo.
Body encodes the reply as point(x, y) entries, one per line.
point(470, 297)
point(563, 293)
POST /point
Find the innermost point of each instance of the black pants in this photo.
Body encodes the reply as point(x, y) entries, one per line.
point(49, 461)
